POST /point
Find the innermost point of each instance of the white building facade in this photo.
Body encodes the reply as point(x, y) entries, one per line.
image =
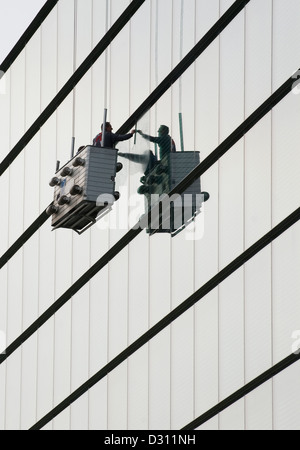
point(242, 327)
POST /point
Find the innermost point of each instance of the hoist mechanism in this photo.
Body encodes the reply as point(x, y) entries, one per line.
point(84, 188)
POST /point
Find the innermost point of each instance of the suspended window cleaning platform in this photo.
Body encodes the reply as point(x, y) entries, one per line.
point(172, 214)
point(84, 189)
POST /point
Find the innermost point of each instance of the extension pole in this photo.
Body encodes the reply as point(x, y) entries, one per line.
point(72, 147)
point(181, 132)
point(103, 127)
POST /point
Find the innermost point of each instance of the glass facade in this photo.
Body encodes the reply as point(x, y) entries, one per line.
point(240, 328)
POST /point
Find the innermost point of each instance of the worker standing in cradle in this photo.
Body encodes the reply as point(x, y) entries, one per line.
point(110, 138)
point(164, 141)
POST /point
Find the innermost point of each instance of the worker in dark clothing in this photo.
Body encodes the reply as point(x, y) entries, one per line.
point(110, 139)
point(165, 142)
point(149, 161)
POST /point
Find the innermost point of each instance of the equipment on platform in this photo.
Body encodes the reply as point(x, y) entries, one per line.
point(171, 214)
point(84, 188)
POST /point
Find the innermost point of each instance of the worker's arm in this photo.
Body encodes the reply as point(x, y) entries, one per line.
point(121, 137)
point(150, 138)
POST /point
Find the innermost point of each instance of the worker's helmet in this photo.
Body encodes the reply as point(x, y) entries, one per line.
point(163, 129)
point(107, 124)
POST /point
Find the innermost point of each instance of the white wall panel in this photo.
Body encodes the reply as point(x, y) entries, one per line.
point(177, 32)
point(206, 16)
point(4, 242)
point(62, 364)
point(80, 330)
point(231, 219)
point(182, 332)
point(3, 328)
point(33, 79)
point(285, 158)
point(286, 399)
point(258, 408)
point(117, 398)
point(80, 356)
point(206, 130)
point(258, 53)
point(65, 67)
point(118, 96)
point(83, 112)
point(206, 121)
point(32, 180)
point(45, 351)
point(119, 77)
point(231, 346)
point(5, 114)
point(49, 59)
point(75, 368)
point(116, 9)
point(258, 337)
point(29, 315)
point(258, 181)
point(16, 199)
point(4, 186)
point(258, 178)
point(232, 418)
point(84, 29)
point(206, 357)
point(65, 39)
point(14, 328)
point(207, 256)
point(17, 101)
point(13, 392)
point(286, 40)
point(99, 70)
point(48, 142)
point(63, 239)
point(159, 347)
point(15, 227)
point(285, 291)
point(258, 315)
point(224, 5)
point(154, 45)
point(183, 39)
point(138, 390)
point(164, 38)
point(17, 128)
point(99, 285)
point(138, 322)
point(140, 46)
point(118, 340)
point(98, 349)
point(45, 372)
